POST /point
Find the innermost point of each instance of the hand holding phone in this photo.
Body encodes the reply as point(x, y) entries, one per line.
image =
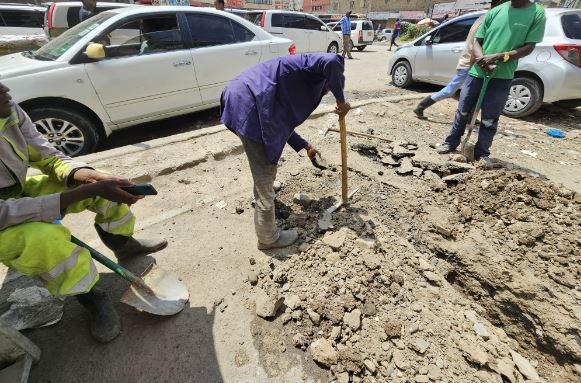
point(140, 189)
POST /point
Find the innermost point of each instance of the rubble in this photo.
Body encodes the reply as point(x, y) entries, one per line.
point(267, 306)
point(324, 353)
point(32, 307)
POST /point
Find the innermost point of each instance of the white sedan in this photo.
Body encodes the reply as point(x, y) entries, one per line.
point(144, 64)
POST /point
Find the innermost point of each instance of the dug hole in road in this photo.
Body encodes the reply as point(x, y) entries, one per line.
point(437, 271)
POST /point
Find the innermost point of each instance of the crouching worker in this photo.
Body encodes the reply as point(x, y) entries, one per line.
point(32, 244)
point(263, 106)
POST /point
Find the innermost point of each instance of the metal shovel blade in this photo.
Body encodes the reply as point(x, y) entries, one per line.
point(168, 295)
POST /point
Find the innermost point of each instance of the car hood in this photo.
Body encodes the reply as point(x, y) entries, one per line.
point(17, 64)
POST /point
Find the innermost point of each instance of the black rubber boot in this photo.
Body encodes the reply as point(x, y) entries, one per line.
point(423, 105)
point(105, 323)
point(127, 247)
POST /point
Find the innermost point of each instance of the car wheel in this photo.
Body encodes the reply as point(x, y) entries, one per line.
point(360, 48)
point(67, 130)
point(524, 98)
point(402, 74)
point(333, 48)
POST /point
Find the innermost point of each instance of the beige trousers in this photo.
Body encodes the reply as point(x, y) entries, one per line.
point(264, 175)
point(347, 46)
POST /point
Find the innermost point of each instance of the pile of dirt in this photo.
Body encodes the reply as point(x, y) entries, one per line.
point(471, 278)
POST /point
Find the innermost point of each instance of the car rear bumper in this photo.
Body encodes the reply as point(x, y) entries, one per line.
point(562, 81)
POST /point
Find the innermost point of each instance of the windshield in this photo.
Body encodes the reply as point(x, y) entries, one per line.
point(60, 45)
point(572, 26)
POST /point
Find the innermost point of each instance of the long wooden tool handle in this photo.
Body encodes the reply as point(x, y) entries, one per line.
point(343, 136)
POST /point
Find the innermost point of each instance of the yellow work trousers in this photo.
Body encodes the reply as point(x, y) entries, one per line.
point(44, 250)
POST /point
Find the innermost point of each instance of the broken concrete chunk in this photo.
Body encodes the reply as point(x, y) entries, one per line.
point(353, 319)
point(405, 167)
point(267, 306)
point(365, 243)
point(253, 278)
point(422, 379)
point(371, 261)
point(277, 185)
point(32, 307)
point(392, 328)
point(400, 152)
point(524, 366)
point(389, 160)
point(293, 302)
point(324, 353)
point(433, 278)
point(336, 239)
point(370, 366)
point(474, 353)
point(421, 346)
point(401, 360)
point(325, 222)
point(299, 340)
point(313, 316)
point(434, 372)
point(481, 330)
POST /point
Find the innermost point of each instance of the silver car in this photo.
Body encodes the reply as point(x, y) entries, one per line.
point(552, 73)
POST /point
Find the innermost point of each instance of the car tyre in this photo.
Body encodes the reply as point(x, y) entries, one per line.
point(361, 47)
point(401, 75)
point(68, 130)
point(333, 48)
point(524, 98)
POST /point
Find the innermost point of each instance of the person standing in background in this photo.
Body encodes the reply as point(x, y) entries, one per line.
point(88, 10)
point(395, 33)
point(346, 32)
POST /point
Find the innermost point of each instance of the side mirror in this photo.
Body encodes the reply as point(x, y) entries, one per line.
point(95, 51)
point(324, 28)
point(428, 40)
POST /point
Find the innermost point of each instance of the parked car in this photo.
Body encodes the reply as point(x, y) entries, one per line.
point(385, 35)
point(21, 19)
point(551, 73)
point(308, 32)
point(132, 65)
point(362, 33)
point(64, 15)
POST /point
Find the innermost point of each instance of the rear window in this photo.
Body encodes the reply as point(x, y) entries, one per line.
point(277, 20)
point(255, 17)
point(73, 14)
point(572, 26)
point(367, 26)
point(23, 19)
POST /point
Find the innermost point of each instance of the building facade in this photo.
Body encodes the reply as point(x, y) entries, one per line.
point(316, 6)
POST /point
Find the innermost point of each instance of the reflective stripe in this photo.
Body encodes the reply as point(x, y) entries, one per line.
point(84, 284)
point(103, 210)
point(115, 224)
point(63, 267)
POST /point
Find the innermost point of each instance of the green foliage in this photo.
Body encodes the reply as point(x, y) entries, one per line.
point(412, 31)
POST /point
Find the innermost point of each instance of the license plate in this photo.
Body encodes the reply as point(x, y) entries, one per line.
point(368, 33)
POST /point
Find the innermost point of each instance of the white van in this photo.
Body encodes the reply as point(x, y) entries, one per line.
point(21, 19)
point(308, 32)
point(362, 33)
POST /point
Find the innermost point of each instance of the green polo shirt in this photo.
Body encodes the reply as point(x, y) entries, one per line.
point(506, 28)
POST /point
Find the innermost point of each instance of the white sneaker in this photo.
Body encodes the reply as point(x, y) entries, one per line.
point(286, 238)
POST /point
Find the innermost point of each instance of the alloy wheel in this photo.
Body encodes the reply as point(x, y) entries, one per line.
point(63, 135)
point(518, 98)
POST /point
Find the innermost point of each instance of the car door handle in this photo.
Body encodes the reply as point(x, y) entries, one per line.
point(251, 53)
point(457, 49)
point(182, 63)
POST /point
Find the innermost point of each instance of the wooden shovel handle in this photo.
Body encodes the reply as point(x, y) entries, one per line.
point(343, 137)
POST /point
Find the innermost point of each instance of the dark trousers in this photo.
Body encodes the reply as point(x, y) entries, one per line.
point(494, 101)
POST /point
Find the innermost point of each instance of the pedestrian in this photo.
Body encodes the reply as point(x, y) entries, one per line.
point(509, 32)
point(219, 5)
point(87, 10)
point(464, 64)
point(395, 33)
point(346, 32)
point(29, 240)
point(263, 106)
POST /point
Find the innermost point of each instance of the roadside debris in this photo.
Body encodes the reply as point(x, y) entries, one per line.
point(32, 307)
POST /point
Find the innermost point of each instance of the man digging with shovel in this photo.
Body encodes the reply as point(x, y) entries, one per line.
point(263, 106)
point(29, 240)
point(509, 32)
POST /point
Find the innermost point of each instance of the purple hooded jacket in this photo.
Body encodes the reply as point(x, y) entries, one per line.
point(268, 101)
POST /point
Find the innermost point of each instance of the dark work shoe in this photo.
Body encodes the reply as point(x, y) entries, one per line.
point(105, 323)
point(127, 247)
point(444, 149)
point(423, 105)
point(286, 238)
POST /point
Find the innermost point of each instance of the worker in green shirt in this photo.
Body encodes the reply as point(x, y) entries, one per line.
point(509, 32)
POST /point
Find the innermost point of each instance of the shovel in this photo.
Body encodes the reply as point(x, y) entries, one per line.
point(157, 292)
point(467, 148)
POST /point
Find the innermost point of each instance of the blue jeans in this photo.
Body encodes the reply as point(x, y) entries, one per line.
point(494, 101)
point(452, 87)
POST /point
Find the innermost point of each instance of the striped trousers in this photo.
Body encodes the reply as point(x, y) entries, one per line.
point(44, 250)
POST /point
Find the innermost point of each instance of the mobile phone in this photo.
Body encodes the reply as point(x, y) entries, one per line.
point(140, 189)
